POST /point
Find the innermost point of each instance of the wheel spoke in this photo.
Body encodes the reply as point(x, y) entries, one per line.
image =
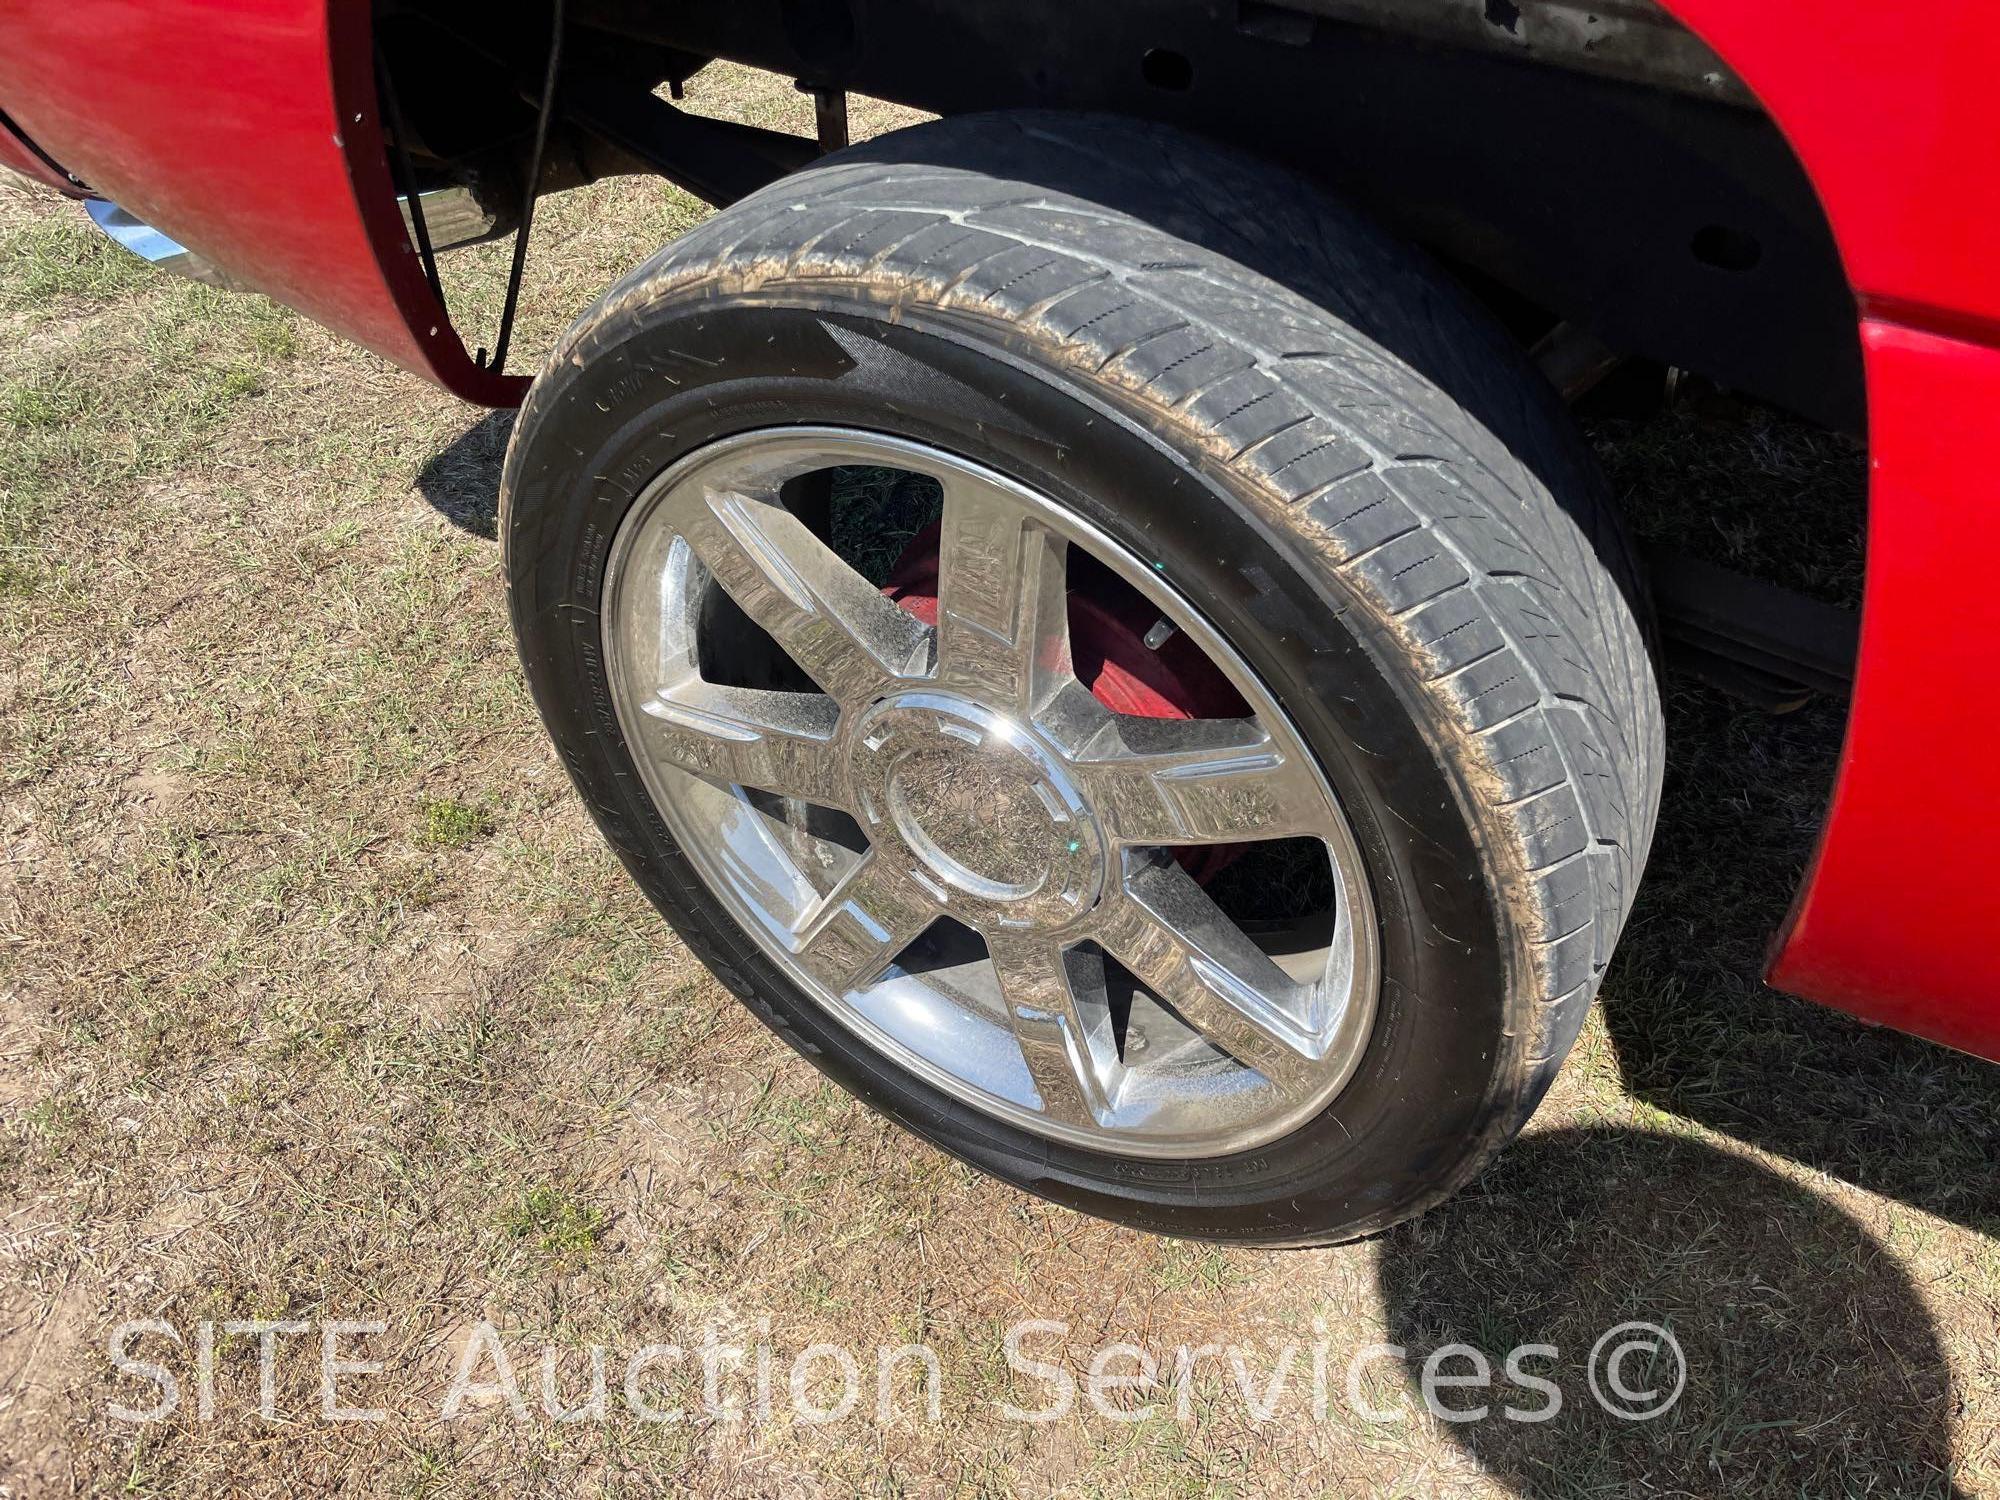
point(895, 798)
point(775, 742)
point(862, 925)
point(827, 617)
point(1039, 984)
point(1003, 615)
point(1201, 781)
point(1180, 945)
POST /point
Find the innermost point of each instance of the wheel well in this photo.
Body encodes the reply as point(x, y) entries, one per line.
point(1672, 226)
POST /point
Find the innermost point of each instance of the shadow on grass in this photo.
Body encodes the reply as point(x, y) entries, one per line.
point(462, 480)
point(1812, 1366)
point(1696, 1032)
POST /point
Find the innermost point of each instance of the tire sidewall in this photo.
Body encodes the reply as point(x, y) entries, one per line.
point(658, 379)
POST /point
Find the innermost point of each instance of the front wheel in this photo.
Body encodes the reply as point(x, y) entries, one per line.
point(1109, 657)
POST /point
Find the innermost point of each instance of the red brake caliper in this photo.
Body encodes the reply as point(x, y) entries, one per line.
point(1110, 626)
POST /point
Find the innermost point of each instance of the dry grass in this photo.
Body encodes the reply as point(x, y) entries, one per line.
point(323, 1000)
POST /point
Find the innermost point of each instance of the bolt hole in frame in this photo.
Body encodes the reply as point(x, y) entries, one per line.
point(991, 792)
point(1167, 69)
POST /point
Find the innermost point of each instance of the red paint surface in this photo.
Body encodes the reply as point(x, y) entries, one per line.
point(1900, 921)
point(1894, 112)
point(18, 155)
point(248, 132)
point(1895, 115)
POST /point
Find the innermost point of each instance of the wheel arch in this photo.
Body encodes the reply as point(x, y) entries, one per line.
point(251, 134)
point(1894, 917)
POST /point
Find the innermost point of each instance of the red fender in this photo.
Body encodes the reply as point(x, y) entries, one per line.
point(250, 133)
point(1896, 120)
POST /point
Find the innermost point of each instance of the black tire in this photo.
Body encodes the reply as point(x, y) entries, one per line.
point(1340, 459)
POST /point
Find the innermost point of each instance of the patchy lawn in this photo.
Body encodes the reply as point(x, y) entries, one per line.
point(321, 1000)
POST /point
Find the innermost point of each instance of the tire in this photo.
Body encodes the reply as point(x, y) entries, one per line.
point(1312, 436)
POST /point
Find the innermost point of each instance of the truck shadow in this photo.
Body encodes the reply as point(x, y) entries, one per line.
point(1696, 1033)
point(1812, 1365)
point(462, 480)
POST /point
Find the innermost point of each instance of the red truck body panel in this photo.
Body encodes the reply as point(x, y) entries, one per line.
point(1897, 920)
point(1894, 115)
point(250, 133)
point(1898, 124)
point(18, 156)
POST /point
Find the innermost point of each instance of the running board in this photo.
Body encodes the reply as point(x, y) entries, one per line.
point(455, 217)
point(156, 249)
point(1754, 640)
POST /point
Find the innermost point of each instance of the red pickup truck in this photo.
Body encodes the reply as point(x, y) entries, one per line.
point(1221, 814)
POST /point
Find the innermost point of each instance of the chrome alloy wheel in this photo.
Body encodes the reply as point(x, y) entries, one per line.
point(953, 845)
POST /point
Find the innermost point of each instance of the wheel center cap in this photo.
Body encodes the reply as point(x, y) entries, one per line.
point(982, 812)
point(979, 820)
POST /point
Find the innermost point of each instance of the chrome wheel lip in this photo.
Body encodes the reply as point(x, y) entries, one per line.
point(793, 450)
